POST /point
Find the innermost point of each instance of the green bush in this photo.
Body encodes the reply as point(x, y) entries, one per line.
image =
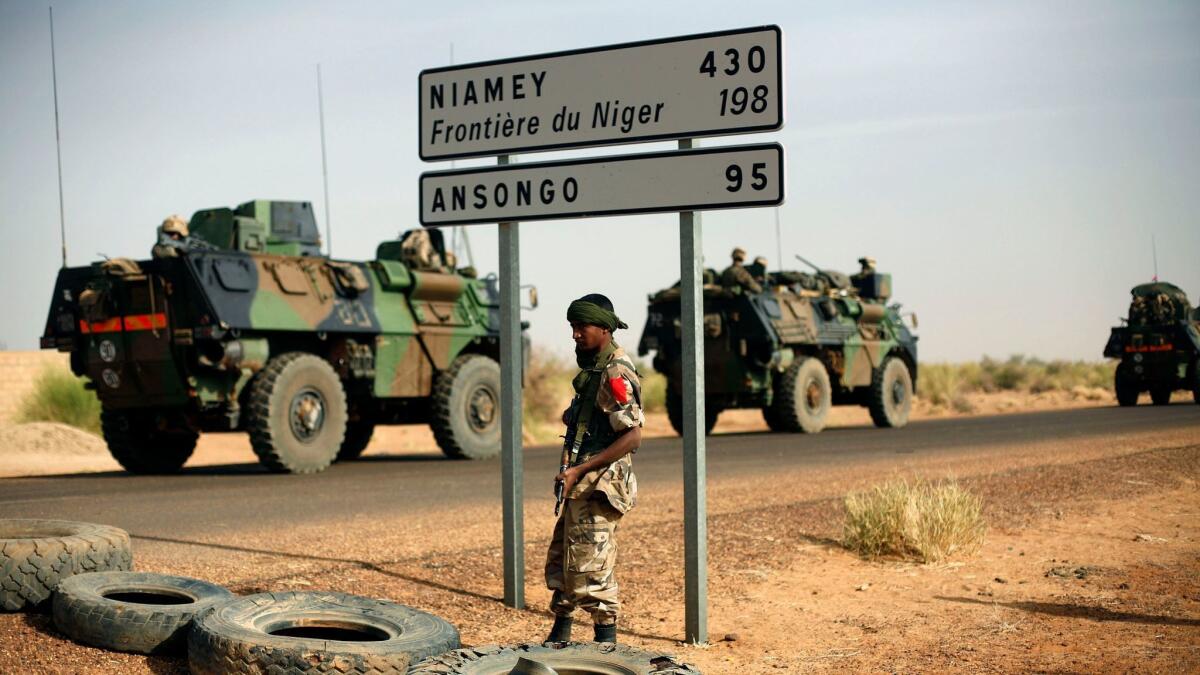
point(59, 396)
point(922, 520)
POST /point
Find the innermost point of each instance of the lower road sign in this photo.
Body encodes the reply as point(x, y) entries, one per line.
point(682, 180)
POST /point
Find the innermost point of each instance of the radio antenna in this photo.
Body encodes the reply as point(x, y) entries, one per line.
point(1154, 252)
point(324, 165)
point(62, 219)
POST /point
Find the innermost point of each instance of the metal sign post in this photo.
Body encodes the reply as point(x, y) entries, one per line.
point(695, 499)
point(512, 459)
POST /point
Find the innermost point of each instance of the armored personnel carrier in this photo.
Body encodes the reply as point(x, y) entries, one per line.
point(245, 326)
point(1159, 345)
point(804, 343)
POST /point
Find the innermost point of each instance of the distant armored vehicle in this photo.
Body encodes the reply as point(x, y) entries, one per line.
point(1159, 345)
point(802, 343)
point(239, 323)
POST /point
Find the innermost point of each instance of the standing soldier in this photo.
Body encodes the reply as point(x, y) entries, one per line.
point(736, 275)
point(598, 484)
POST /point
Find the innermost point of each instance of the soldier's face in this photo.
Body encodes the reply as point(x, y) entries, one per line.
point(588, 337)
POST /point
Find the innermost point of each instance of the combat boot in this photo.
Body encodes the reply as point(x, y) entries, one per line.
point(561, 632)
point(606, 633)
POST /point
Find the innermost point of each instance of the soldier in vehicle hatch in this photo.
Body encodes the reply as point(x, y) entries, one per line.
point(595, 480)
point(737, 276)
point(174, 239)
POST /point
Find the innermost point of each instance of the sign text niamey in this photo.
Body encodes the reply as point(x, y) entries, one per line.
point(710, 84)
point(678, 180)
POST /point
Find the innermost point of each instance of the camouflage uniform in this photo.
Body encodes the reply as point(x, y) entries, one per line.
point(582, 557)
point(737, 275)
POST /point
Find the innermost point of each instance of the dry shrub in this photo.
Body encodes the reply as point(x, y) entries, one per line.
point(922, 520)
point(947, 384)
point(547, 394)
point(59, 396)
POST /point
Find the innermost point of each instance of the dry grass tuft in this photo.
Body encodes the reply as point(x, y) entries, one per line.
point(59, 396)
point(922, 520)
point(947, 384)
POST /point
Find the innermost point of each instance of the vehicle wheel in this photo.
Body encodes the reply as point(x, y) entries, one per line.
point(466, 408)
point(772, 419)
point(297, 414)
point(358, 436)
point(562, 657)
point(147, 441)
point(35, 555)
point(804, 396)
point(1195, 381)
point(1161, 395)
point(891, 394)
point(675, 413)
point(132, 611)
point(301, 632)
point(1126, 387)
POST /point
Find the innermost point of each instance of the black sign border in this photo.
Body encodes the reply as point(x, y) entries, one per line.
point(592, 50)
point(722, 149)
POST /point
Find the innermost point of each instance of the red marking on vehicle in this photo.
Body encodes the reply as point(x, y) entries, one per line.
point(620, 389)
point(1150, 348)
point(107, 326)
point(145, 321)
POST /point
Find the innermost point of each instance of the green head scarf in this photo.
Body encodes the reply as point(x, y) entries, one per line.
point(582, 311)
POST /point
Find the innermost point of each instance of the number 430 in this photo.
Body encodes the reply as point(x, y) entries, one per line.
point(758, 172)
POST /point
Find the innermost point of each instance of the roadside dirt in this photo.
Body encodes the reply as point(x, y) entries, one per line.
point(1091, 564)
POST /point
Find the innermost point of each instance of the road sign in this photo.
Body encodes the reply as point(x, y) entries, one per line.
point(682, 87)
point(677, 180)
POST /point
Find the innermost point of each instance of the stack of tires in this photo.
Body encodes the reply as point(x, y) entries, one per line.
point(82, 572)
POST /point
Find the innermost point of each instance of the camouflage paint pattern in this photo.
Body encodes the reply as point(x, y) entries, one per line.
point(192, 330)
point(581, 560)
point(750, 338)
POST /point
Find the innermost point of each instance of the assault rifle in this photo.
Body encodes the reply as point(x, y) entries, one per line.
point(572, 441)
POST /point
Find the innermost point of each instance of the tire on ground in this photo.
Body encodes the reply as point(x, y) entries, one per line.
point(132, 611)
point(772, 420)
point(466, 408)
point(675, 412)
point(573, 657)
point(1161, 394)
point(358, 436)
point(147, 441)
point(803, 396)
point(1125, 386)
point(36, 555)
point(891, 394)
point(297, 414)
point(1194, 381)
point(306, 632)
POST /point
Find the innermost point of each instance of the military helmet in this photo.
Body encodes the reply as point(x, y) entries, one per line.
point(175, 224)
point(761, 260)
point(739, 254)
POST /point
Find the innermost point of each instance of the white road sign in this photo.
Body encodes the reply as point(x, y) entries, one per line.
point(683, 87)
point(678, 180)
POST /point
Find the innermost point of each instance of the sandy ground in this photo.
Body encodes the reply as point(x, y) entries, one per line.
point(52, 449)
point(1091, 564)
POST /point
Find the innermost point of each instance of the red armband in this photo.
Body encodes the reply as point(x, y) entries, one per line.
point(621, 390)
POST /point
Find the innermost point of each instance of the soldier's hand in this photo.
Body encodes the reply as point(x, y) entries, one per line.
point(568, 479)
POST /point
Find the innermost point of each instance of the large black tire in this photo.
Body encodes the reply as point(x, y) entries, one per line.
point(564, 657)
point(803, 396)
point(148, 441)
point(1161, 394)
point(675, 413)
point(297, 414)
point(132, 611)
point(772, 420)
point(314, 633)
point(1126, 387)
point(36, 555)
point(466, 408)
point(891, 394)
point(358, 436)
point(1194, 381)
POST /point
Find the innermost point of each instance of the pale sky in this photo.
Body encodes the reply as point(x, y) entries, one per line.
point(1008, 162)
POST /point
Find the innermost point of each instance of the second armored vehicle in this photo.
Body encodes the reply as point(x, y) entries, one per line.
point(1159, 345)
point(804, 343)
point(239, 323)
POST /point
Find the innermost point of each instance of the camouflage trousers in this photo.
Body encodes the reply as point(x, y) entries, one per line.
point(582, 558)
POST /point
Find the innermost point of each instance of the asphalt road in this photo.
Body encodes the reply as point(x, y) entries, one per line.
point(209, 499)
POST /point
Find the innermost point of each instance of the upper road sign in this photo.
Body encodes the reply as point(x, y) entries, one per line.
point(697, 85)
point(678, 180)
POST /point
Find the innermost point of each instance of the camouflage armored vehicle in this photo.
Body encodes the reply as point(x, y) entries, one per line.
point(1159, 345)
point(244, 325)
point(804, 343)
